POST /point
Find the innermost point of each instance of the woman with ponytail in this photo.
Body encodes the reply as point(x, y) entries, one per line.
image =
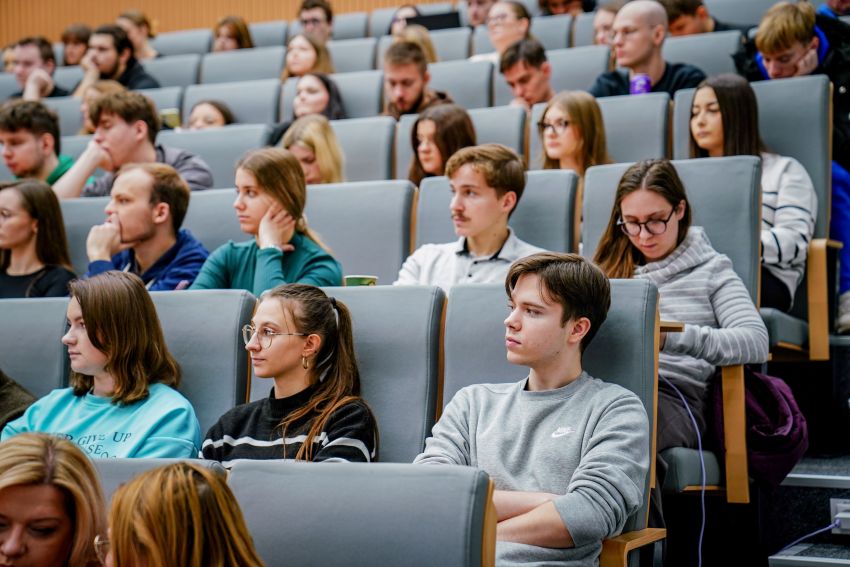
point(271, 194)
point(302, 339)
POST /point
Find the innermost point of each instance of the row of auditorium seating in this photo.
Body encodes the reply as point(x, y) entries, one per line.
point(710, 52)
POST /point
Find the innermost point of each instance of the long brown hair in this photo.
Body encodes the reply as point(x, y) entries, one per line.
point(454, 131)
point(122, 323)
point(42, 459)
point(739, 114)
point(180, 514)
point(280, 175)
point(240, 30)
point(334, 368)
point(40, 202)
point(323, 64)
point(586, 118)
point(615, 253)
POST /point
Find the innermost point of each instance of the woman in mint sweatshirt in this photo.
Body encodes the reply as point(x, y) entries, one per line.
point(270, 198)
point(122, 402)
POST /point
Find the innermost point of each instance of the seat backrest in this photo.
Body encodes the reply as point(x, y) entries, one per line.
point(397, 334)
point(572, 69)
point(174, 70)
point(470, 84)
point(75, 145)
point(780, 130)
point(583, 29)
point(351, 25)
point(475, 346)
point(211, 218)
point(243, 65)
point(183, 42)
point(354, 502)
point(734, 12)
point(725, 198)
point(79, 216)
point(350, 55)
point(31, 352)
point(711, 52)
point(544, 216)
point(166, 97)
point(553, 32)
point(8, 85)
point(361, 91)
point(379, 21)
point(115, 472)
point(68, 77)
point(268, 34)
point(252, 102)
point(68, 109)
point(366, 225)
point(481, 40)
point(451, 44)
point(367, 144)
point(636, 127)
point(220, 148)
point(203, 332)
point(496, 125)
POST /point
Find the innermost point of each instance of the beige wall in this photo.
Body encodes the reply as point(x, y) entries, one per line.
point(20, 18)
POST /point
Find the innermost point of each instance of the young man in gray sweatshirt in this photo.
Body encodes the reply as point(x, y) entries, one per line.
point(567, 452)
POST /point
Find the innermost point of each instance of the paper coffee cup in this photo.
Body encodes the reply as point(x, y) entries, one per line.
point(360, 280)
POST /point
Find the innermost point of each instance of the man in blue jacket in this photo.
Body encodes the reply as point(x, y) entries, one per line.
point(142, 231)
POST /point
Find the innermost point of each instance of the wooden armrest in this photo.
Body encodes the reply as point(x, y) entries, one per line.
point(735, 434)
point(615, 550)
point(488, 541)
point(672, 326)
point(818, 289)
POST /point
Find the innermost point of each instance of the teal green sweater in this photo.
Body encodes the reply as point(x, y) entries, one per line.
point(243, 265)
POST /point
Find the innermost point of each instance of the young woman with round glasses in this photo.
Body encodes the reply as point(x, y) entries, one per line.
point(302, 339)
point(572, 133)
point(650, 236)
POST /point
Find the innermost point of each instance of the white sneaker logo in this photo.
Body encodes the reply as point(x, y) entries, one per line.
point(561, 431)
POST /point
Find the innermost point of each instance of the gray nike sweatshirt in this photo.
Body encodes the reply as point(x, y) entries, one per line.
point(588, 441)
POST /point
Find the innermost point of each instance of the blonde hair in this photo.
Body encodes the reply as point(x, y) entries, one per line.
point(179, 514)
point(42, 459)
point(586, 117)
point(280, 175)
point(414, 33)
point(323, 64)
point(314, 132)
point(784, 25)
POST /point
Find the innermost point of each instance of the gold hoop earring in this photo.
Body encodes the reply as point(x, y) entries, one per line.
point(304, 364)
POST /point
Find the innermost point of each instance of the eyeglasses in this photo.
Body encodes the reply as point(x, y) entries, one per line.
point(499, 20)
point(653, 226)
point(101, 548)
point(310, 22)
point(265, 337)
point(558, 126)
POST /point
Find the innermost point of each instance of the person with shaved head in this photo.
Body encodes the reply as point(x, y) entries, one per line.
point(637, 37)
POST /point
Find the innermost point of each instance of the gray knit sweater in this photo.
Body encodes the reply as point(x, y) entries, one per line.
point(588, 441)
point(699, 287)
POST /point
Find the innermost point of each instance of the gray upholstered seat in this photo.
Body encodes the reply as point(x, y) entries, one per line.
point(366, 225)
point(74, 145)
point(367, 144)
point(243, 65)
point(425, 516)
point(636, 127)
point(252, 102)
point(496, 125)
point(115, 472)
point(31, 352)
point(8, 85)
point(351, 25)
point(166, 98)
point(734, 12)
point(175, 70)
point(451, 44)
point(68, 77)
point(68, 109)
point(553, 32)
point(397, 344)
point(361, 93)
point(268, 34)
point(211, 218)
point(481, 41)
point(220, 148)
point(572, 69)
point(79, 216)
point(203, 332)
point(468, 83)
point(183, 42)
point(544, 216)
point(711, 52)
point(475, 347)
point(583, 30)
point(350, 55)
